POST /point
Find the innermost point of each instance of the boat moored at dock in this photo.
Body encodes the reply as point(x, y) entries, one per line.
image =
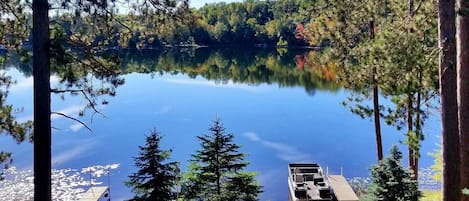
point(307, 182)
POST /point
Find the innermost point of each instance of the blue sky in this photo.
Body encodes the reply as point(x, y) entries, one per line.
point(200, 3)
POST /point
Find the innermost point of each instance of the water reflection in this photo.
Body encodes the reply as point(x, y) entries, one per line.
point(259, 94)
point(287, 68)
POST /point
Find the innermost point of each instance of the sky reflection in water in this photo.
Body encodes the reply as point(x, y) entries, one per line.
point(275, 125)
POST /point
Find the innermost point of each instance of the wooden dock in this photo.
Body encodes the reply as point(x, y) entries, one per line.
point(96, 193)
point(341, 188)
point(307, 182)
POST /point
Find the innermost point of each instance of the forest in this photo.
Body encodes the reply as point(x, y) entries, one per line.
point(250, 23)
point(258, 23)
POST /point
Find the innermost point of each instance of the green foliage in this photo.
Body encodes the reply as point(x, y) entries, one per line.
point(359, 185)
point(13, 23)
point(19, 131)
point(81, 34)
point(390, 181)
point(380, 45)
point(282, 42)
point(431, 195)
point(249, 66)
point(216, 172)
point(465, 191)
point(244, 23)
point(243, 186)
point(437, 166)
point(156, 179)
point(239, 23)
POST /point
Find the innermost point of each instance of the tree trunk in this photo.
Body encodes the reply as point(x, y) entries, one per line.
point(410, 129)
point(411, 8)
point(462, 38)
point(379, 145)
point(449, 110)
point(218, 173)
point(42, 121)
point(410, 109)
point(418, 129)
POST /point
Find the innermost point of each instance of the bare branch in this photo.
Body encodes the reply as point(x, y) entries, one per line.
point(72, 118)
point(66, 91)
point(118, 21)
point(91, 104)
point(418, 6)
point(11, 10)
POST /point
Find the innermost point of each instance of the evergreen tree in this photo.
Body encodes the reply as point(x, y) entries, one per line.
point(391, 181)
point(20, 132)
point(155, 179)
point(216, 172)
point(243, 186)
point(92, 20)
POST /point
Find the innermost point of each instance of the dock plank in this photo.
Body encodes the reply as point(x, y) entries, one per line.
point(95, 193)
point(342, 189)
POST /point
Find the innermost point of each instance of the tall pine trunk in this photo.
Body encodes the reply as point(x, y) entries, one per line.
point(462, 45)
point(418, 129)
point(42, 121)
point(410, 129)
point(413, 153)
point(379, 145)
point(409, 100)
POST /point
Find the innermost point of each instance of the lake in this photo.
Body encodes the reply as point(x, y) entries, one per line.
point(280, 107)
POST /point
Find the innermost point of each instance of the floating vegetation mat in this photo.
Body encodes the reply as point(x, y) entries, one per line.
point(67, 184)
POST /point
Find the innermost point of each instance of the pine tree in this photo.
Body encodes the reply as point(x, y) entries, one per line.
point(155, 180)
point(216, 172)
point(243, 186)
point(391, 181)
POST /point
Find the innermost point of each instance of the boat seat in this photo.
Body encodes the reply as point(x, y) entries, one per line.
point(299, 179)
point(309, 177)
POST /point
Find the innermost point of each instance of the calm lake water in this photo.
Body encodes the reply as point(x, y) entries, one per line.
point(280, 108)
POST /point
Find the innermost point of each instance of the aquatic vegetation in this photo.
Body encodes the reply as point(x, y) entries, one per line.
point(67, 184)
